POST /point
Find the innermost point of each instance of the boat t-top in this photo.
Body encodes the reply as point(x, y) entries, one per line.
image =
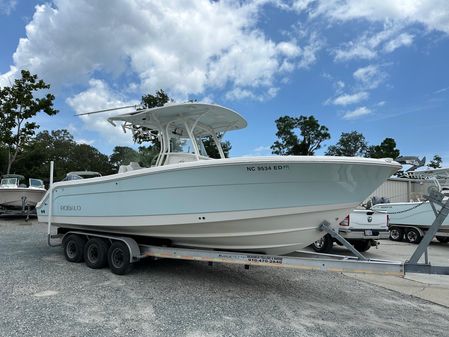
point(260, 204)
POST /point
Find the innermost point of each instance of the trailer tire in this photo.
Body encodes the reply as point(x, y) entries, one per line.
point(443, 239)
point(74, 248)
point(96, 253)
point(323, 245)
point(412, 235)
point(119, 258)
point(362, 245)
point(396, 234)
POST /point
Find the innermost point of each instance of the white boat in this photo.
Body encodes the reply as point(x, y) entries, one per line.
point(409, 213)
point(262, 204)
point(418, 213)
point(13, 194)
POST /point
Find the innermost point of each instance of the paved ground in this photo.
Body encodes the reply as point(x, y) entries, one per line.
point(43, 295)
point(434, 288)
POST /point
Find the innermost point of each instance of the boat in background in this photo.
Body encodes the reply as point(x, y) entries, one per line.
point(16, 195)
point(420, 212)
point(269, 205)
point(76, 175)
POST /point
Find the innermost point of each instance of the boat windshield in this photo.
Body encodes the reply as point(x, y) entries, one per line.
point(185, 145)
point(36, 183)
point(201, 147)
point(10, 182)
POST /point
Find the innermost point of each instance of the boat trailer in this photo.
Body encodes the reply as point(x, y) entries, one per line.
point(24, 211)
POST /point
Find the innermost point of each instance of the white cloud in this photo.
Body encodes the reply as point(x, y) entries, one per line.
point(350, 99)
point(368, 46)
point(97, 97)
point(403, 39)
point(182, 47)
point(395, 15)
point(441, 90)
point(353, 114)
point(259, 151)
point(84, 141)
point(309, 52)
point(7, 6)
point(339, 85)
point(433, 14)
point(239, 94)
point(301, 5)
point(7, 78)
point(370, 77)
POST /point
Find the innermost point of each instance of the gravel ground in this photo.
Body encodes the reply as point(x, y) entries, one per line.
point(43, 295)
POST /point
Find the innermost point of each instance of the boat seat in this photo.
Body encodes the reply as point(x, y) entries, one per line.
point(131, 167)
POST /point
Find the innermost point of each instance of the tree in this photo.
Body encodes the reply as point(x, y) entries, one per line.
point(122, 155)
point(19, 103)
point(311, 135)
point(351, 144)
point(386, 149)
point(435, 162)
point(147, 102)
point(211, 148)
point(86, 157)
point(148, 154)
point(59, 146)
point(3, 159)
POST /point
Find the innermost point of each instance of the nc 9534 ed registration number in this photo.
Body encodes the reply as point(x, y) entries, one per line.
point(262, 168)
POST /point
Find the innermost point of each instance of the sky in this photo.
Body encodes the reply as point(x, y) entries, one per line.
point(377, 67)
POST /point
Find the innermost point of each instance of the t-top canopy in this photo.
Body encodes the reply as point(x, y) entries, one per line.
point(206, 118)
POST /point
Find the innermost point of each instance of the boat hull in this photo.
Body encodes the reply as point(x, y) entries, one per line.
point(18, 197)
point(413, 213)
point(271, 205)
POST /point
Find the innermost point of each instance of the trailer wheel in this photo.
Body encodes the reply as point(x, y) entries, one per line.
point(443, 239)
point(323, 245)
point(96, 253)
point(396, 234)
point(362, 245)
point(119, 257)
point(412, 235)
point(74, 248)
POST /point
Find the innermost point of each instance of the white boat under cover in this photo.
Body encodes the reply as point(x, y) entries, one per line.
point(263, 204)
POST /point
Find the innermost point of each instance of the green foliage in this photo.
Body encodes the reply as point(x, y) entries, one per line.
point(122, 155)
point(148, 154)
point(211, 148)
point(3, 160)
point(147, 102)
point(386, 149)
point(311, 135)
point(59, 146)
point(351, 144)
point(435, 162)
point(19, 103)
point(85, 157)
point(152, 101)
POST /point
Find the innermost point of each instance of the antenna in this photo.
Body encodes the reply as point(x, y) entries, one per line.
point(136, 106)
